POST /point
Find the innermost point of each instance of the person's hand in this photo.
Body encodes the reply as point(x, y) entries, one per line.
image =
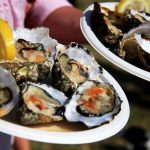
point(21, 144)
point(64, 25)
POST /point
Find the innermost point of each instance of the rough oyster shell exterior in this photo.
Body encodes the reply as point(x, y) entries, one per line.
point(136, 44)
point(36, 35)
point(76, 66)
point(40, 104)
point(28, 71)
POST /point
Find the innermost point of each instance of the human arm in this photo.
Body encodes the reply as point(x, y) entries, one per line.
point(63, 20)
point(64, 24)
point(21, 144)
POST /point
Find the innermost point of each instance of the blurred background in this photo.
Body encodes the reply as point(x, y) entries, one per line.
point(137, 92)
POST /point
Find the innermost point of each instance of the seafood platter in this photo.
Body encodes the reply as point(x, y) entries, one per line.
point(123, 39)
point(58, 93)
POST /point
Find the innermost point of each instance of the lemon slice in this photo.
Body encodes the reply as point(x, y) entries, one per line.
point(140, 5)
point(7, 47)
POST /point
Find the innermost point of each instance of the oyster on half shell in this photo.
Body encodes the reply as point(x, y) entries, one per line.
point(74, 66)
point(38, 35)
point(102, 23)
point(40, 104)
point(93, 104)
point(34, 45)
point(29, 71)
point(34, 57)
point(136, 44)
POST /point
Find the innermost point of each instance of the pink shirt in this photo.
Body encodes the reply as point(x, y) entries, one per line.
point(14, 11)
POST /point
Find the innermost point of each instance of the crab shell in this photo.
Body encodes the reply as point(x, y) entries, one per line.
point(40, 104)
point(93, 104)
point(9, 92)
point(74, 66)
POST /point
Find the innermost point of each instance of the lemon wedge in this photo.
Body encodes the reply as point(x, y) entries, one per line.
point(140, 5)
point(7, 47)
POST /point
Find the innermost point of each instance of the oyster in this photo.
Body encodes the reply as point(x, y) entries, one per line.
point(93, 103)
point(74, 66)
point(102, 25)
point(40, 104)
point(34, 45)
point(29, 71)
point(31, 52)
point(34, 57)
point(36, 35)
point(133, 18)
point(9, 92)
point(136, 44)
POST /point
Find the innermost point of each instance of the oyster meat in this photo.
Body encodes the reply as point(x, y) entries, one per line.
point(93, 103)
point(31, 52)
point(36, 35)
point(34, 45)
point(40, 104)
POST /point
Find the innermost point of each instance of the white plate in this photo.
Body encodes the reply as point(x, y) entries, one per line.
point(98, 46)
point(72, 133)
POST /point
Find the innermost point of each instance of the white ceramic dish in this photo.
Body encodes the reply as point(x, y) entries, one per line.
point(70, 134)
point(98, 46)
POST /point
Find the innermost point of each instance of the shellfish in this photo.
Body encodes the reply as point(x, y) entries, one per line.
point(9, 92)
point(29, 71)
point(74, 66)
point(103, 28)
point(35, 35)
point(34, 45)
point(34, 58)
point(93, 103)
point(40, 104)
point(133, 18)
point(136, 44)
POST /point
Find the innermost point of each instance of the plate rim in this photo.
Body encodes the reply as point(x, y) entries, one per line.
point(104, 51)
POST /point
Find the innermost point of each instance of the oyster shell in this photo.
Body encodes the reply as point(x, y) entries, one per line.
point(136, 44)
point(40, 104)
point(37, 35)
point(31, 52)
point(133, 18)
point(74, 66)
point(102, 25)
point(9, 92)
point(93, 103)
point(34, 58)
point(34, 45)
point(29, 71)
